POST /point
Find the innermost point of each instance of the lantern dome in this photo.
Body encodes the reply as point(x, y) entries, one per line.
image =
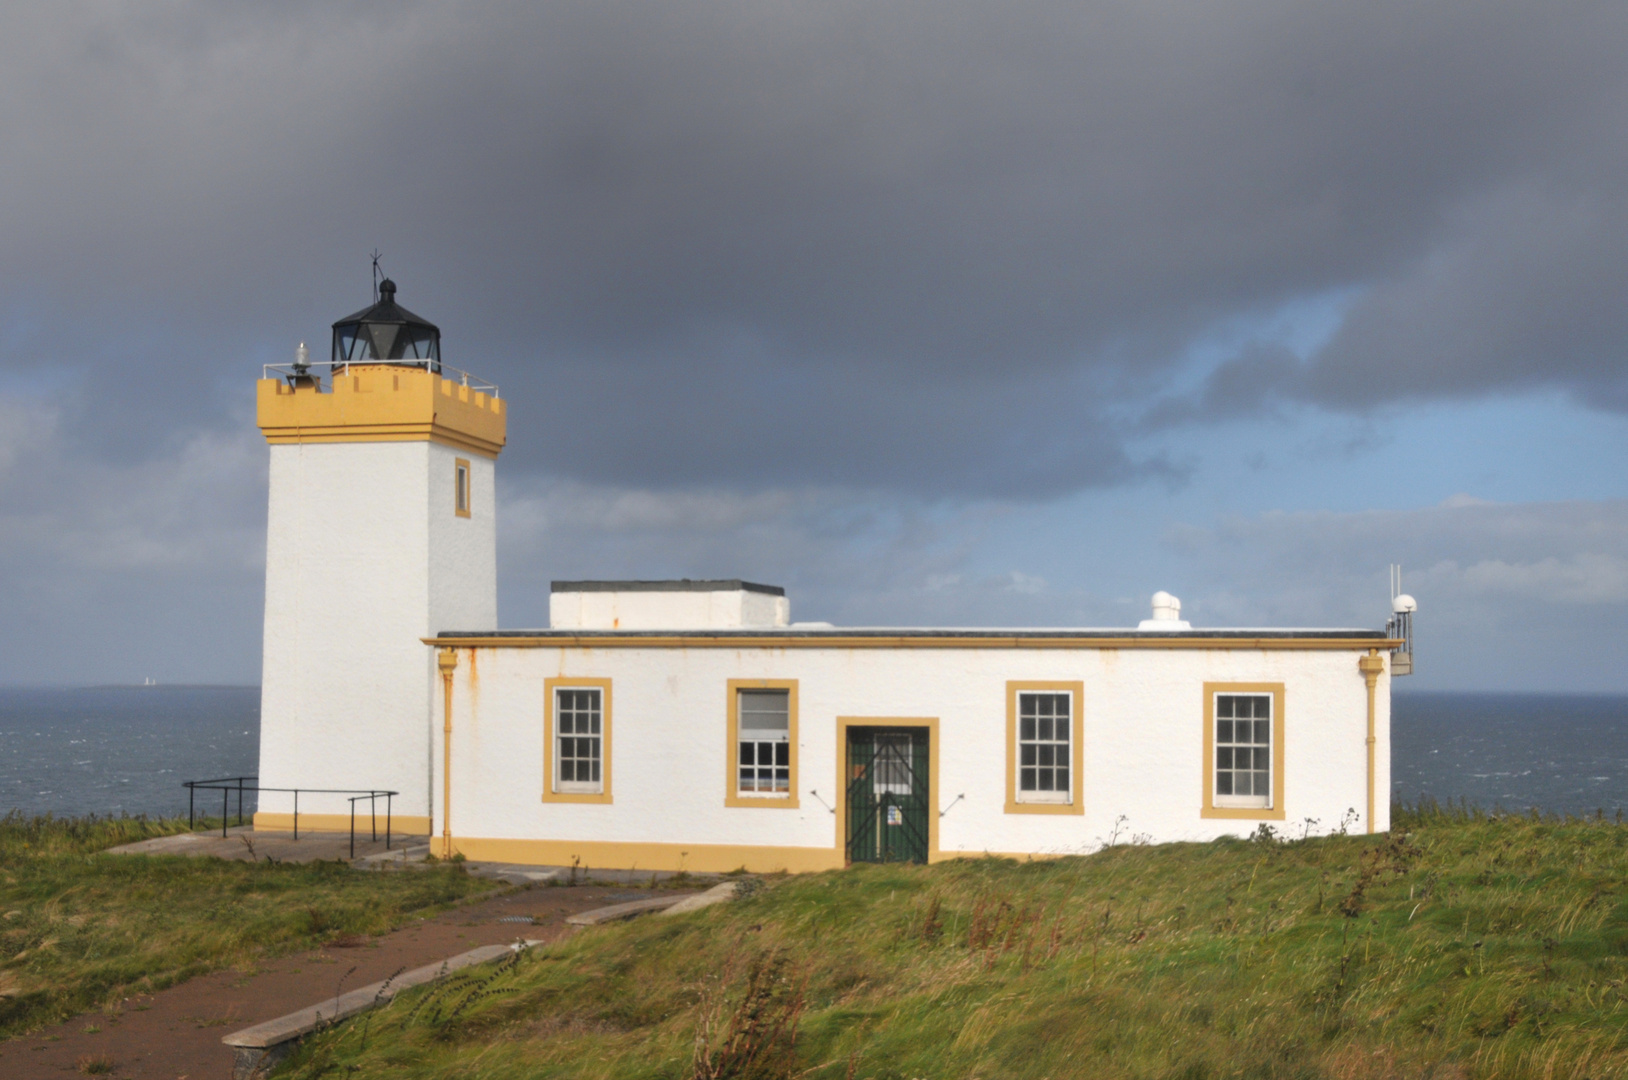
point(387, 333)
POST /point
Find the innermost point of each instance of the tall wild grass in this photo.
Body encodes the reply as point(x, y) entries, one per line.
point(79, 929)
point(1463, 944)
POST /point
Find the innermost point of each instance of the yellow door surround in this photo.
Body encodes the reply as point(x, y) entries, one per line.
point(930, 724)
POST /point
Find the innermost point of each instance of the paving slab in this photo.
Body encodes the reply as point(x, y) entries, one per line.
point(244, 843)
point(527, 874)
point(617, 912)
point(258, 1049)
point(718, 894)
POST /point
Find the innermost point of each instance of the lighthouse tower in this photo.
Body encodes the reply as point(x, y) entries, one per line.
point(380, 533)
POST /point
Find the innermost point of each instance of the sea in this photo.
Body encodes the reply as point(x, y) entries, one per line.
point(127, 749)
point(123, 749)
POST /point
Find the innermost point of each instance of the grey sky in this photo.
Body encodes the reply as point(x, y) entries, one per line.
point(904, 280)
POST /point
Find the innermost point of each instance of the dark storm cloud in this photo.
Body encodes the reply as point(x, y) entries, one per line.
point(939, 249)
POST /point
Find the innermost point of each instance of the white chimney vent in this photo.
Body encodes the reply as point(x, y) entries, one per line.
point(1166, 614)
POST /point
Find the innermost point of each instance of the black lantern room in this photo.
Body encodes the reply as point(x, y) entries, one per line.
point(387, 333)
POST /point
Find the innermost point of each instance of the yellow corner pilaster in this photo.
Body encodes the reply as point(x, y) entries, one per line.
point(1371, 666)
point(447, 661)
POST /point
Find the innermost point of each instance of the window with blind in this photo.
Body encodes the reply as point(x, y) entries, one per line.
point(763, 742)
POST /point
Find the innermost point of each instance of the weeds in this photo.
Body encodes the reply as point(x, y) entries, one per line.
point(758, 1041)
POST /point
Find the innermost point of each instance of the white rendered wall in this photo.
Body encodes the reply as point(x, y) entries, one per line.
point(724, 609)
point(365, 556)
point(1142, 752)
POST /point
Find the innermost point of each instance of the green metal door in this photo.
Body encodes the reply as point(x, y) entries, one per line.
point(888, 800)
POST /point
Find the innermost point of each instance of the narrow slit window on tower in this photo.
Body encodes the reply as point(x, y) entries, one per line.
point(461, 494)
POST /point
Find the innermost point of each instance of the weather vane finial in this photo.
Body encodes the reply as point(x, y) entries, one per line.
point(377, 274)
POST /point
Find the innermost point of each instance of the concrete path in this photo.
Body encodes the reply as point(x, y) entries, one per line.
point(244, 843)
point(177, 1032)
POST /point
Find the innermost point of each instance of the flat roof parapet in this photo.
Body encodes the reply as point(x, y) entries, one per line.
point(883, 636)
point(680, 585)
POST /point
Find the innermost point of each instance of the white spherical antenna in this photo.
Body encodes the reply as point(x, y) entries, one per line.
point(1404, 604)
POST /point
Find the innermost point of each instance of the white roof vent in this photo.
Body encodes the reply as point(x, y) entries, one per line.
point(1166, 614)
point(1400, 626)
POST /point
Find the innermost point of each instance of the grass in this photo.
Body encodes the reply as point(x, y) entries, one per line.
point(80, 929)
point(1461, 945)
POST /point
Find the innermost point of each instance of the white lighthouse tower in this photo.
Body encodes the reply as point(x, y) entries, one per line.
point(381, 532)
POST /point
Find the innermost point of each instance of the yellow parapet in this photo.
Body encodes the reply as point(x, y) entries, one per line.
point(383, 403)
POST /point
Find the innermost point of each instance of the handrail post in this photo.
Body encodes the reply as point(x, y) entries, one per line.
point(373, 814)
point(296, 813)
point(225, 809)
point(192, 793)
point(387, 797)
point(353, 829)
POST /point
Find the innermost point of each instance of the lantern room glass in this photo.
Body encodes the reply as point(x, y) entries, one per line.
point(387, 333)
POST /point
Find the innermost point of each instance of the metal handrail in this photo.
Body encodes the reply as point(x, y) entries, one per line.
point(293, 371)
point(228, 784)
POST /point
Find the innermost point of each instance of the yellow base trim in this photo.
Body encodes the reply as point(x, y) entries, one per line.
point(616, 855)
point(696, 858)
point(400, 824)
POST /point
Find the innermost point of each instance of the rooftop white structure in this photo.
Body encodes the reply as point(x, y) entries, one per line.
point(666, 605)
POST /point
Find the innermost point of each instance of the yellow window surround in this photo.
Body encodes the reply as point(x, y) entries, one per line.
point(732, 792)
point(1275, 812)
point(550, 778)
point(462, 492)
point(1076, 801)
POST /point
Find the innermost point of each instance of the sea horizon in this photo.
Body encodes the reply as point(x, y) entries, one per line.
point(110, 748)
